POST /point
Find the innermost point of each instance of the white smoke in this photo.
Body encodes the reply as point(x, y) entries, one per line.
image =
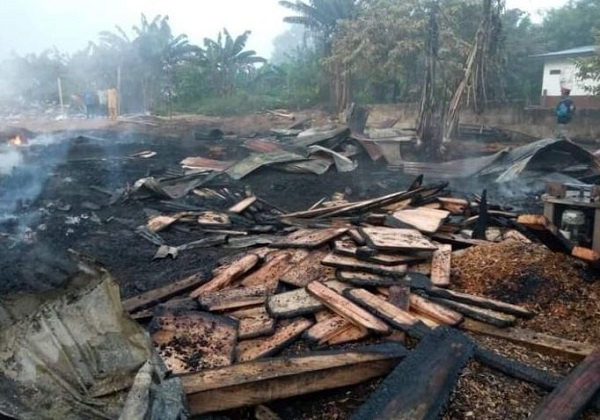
point(10, 157)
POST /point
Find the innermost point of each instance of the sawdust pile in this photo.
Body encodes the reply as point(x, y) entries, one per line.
point(561, 290)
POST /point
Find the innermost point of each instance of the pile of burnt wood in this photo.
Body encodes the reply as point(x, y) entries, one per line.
point(376, 273)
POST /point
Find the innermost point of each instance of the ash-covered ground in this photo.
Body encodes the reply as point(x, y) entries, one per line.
point(65, 191)
point(61, 191)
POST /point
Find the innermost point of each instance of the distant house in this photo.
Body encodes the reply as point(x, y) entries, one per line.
point(560, 70)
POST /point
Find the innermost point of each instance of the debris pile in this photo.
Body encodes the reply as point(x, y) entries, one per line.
point(543, 161)
point(376, 273)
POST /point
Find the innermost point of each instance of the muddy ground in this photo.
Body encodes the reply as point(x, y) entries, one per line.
point(61, 207)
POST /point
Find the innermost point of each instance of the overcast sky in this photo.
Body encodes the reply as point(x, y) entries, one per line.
point(34, 25)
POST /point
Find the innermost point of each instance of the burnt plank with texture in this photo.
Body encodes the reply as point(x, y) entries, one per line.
point(543, 343)
point(347, 309)
point(441, 265)
point(292, 304)
point(261, 381)
point(193, 341)
point(421, 384)
point(482, 302)
point(268, 275)
point(398, 318)
point(546, 232)
point(308, 238)
point(308, 269)
point(227, 275)
point(262, 347)
point(574, 393)
point(488, 316)
point(155, 296)
point(233, 298)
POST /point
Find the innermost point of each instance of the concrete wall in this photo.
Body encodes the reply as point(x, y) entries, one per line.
point(536, 122)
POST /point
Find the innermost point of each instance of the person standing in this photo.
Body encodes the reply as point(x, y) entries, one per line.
point(113, 103)
point(564, 113)
point(103, 103)
point(90, 100)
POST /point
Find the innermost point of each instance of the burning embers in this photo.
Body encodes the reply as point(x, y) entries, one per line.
point(17, 140)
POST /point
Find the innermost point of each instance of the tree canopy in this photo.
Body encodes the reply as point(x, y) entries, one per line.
point(335, 51)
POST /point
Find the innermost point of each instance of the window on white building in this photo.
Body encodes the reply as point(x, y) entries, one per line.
point(554, 72)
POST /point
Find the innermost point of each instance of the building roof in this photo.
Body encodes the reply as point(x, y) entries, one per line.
point(572, 52)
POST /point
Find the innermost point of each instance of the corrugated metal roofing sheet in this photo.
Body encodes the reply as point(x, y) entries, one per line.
point(579, 51)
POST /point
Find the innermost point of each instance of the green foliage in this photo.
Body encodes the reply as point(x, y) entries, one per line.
point(227, 60)
point(521, 75)
point(369, 50)
point(572, 25)
point(589, 68)
point(322, 17)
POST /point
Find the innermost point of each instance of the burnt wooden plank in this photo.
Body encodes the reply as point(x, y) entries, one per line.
point(350, 311)
point(261, 381)
point(192, 341)
point(574, 393)
point(546, 232)
point(521, 371)
point(454, 205)
point(361, 279)
point(309, 238)
point(434, 311)
point(335, 330)
point(396, 239)
point(348, 248)
point(352, 264)
point(213, 219)
point(488, 316)
point(356, 237)
point(155, 296)
point(420, 386)
point(399, 296)
point(423, 219)
point(385, 200)
point(322, 330)
point(586, 254)
point(482, 302)
point(347, 334)
point(229, 299)
point(227, 275)
point(538, 341)
point(457, 240)
point(308, 269)
point(268, 275)
point(441, 265)
point(292, 304)
point(262, 347)
point(479, 231)
point(254, 323)
point(393, 315)
point(242, 205)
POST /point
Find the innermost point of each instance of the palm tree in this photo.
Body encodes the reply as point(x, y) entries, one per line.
point(226, 58)
point(151, 57)
point(321, 16)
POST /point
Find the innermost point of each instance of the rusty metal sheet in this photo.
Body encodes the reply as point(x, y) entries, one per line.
point(206, 164)
point(262, 145)
point(255, 161)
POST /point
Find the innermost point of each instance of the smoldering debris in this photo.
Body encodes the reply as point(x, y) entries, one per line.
point(200, 251)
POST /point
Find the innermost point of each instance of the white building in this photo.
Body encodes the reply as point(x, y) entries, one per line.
point(560, 71)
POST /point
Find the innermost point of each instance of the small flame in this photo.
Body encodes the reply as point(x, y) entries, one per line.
point(16, 141)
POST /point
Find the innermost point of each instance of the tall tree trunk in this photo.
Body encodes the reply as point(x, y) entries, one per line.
point(430, 119)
